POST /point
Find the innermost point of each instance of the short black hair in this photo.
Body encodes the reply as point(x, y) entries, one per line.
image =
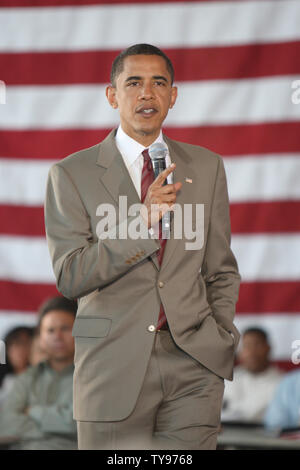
point(138, 49)
point(9, 339)
point(257, 331)
point(16, 332)
point(56, 303)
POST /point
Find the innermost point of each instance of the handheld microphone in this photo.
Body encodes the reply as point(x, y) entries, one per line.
point(158, 153)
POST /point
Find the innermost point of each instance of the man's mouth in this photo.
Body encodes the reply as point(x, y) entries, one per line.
point(149, 111)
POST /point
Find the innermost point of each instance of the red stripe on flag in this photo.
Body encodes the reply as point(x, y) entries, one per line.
point(248, 139)
point(228, 140)
point(48, 144)
point(61, 68)
point(255, 297)
point(233, 62)
point(285, 366)
point(265, 217)
point(22, 220)
point(247, 217)
point(21, 297)
point(269, 297)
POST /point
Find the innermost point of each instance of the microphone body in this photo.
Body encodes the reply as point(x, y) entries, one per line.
point(158, 153)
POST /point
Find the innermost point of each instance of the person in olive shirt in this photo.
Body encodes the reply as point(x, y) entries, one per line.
point(38, 414)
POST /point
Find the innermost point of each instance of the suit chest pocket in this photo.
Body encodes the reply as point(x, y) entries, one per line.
point(89, 327)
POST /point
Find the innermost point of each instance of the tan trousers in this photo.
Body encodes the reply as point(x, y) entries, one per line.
point(178, 407)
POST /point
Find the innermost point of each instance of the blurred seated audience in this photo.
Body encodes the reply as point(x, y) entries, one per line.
point(38, 413)
point(18, 342)
point(284, 410)
point(255, 379)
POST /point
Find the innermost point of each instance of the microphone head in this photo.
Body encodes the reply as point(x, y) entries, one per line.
point(158, 151)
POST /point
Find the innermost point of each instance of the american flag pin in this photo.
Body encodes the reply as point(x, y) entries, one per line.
point(188, 180)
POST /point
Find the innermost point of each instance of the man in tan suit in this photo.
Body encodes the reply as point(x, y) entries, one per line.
point(154, 333)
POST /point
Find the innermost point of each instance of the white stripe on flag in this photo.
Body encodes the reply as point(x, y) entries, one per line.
point(251, 178)
point(267, 257)
point(260, 257)
point(199, 103)
point(263, 177)
point(10, 319)
point(23, 181)
point(283, 329)
point(216, 102)
point(104, 27)
point(25, 259)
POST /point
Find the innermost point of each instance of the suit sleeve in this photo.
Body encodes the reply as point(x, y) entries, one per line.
point(219, 269)
point(80, 264)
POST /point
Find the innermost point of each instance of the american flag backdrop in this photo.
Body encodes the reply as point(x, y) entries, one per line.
point(236, 63)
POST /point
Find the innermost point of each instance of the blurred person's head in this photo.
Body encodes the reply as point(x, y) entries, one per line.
point(18, 345)
point(255, 349)
point(55, 325)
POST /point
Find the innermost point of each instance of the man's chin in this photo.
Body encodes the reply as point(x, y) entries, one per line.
point(61, 356)
point(148, 131)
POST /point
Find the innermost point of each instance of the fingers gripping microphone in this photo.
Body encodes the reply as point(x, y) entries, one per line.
point(158, 153)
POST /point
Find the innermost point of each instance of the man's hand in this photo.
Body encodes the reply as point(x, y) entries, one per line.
point(159, 199)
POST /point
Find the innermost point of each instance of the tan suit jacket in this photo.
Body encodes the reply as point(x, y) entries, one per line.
point(120, 285)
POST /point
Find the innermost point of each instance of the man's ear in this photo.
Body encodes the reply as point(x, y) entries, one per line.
point(173, 96)
point(111, 96)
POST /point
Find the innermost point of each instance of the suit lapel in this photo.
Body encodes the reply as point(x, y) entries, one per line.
point(117, 182)
point(116, 178)
point(184, 196)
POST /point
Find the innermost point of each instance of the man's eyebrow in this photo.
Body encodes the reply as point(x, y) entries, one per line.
point(160, 77)
point(155, 77)
point(133, 77)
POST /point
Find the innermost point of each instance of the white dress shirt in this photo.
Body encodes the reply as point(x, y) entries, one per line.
point(248, 395)
point(131, 151)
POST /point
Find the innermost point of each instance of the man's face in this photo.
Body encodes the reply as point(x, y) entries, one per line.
point(143, 94)
point(56, 335)
point(19, 351)
point(254, 352)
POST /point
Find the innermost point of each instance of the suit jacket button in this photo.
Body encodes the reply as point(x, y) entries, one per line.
point(151, 328)
point(160, 284)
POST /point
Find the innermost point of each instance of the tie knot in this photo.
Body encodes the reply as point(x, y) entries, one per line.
point(146, 155)
point(147, 159)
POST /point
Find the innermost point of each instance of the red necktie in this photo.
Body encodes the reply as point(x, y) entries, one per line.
point(147, 179)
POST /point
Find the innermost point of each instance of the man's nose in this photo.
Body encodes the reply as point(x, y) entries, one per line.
point(146, 91)
point(58, 335)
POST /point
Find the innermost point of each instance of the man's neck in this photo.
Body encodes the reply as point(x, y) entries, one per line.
point(142, 138)
point(60, 365)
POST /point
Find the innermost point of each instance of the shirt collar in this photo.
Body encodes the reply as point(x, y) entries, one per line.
point(129, 147)
point(45, 364)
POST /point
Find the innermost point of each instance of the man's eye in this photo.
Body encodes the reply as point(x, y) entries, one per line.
point(66, 328)
point(133, 83)
point(159, 83)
